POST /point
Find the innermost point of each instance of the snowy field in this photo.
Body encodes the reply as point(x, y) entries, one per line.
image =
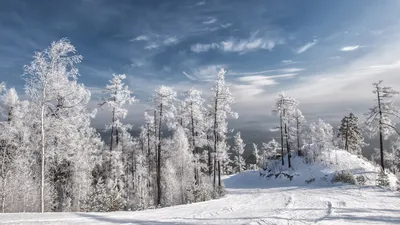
point(253, 200)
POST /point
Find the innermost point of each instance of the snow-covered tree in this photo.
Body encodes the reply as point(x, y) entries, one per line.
point(379, 118)
point(269, 151)
point(194, 113)
point(256, 155)
point(46, 79)
point(116, 96)
point(238, 150)
point(220, 109)
point(285, 107)
point(163, 101)
point(299, 122)
point(321, 137)
point(351, 134)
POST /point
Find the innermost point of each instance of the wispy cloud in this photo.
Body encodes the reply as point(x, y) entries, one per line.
point(282, 70)
point(260, 80)
point(200, 3)
point(350, 48)
point(203, 73)
point(234, 45)
point(226, 25)
point(171, 40)
point(151, 46)
point(140, 38)
point(213, 20)
point(203, 47)
point(288, 62)
point(306, 47)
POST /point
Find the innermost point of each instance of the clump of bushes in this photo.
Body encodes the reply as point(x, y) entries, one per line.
point(344, 177)
point(383, 179)
point(361, 180)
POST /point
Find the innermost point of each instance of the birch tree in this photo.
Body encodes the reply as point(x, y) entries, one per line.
point(45, 76)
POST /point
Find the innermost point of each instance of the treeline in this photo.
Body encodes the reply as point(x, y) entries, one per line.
point(51, 159)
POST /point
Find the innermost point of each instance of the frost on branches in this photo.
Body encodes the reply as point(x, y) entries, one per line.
point(379, 118)
point(238, 150)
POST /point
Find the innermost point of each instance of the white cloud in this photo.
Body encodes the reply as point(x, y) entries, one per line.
point(213, 20)
point(203, 47)
point(204, 73)
point(226, 25)
point(283, 70)
point(350, 48)
point(306, 47)
point(200, 3)
point(171, 40)
point(141, 38)
point(152, 46)
point(188, 76)
point(287, 62)
point(234, 45)
point(260, 80)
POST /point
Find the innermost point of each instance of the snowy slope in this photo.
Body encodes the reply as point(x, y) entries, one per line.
point(253, 200)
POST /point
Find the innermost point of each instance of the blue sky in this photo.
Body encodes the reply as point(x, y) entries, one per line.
point(326, 54)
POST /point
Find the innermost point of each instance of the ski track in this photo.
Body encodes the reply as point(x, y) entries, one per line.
point(254, 201)
point(333, 205)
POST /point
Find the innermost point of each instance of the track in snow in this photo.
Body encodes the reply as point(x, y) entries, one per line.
point(288, 205)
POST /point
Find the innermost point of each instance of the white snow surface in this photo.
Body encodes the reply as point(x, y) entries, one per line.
point(253, 200)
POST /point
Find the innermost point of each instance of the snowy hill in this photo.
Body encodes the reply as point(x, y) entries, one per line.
point(322, 171)
point(253, 200)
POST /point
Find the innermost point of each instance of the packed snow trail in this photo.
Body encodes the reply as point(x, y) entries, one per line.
point(289, 205)
point(252, 200)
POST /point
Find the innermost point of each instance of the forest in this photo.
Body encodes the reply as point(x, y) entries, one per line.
point(53, 160)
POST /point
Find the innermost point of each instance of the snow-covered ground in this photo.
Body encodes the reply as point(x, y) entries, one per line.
point(253, 200)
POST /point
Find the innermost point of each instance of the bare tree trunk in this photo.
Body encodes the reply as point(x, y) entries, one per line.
point(209, 156)
point(282, 154)
point(215, 132)
point(215, 170)
point(219, 174)
point(380, 130)
point(159, 192)
point(288, 146)
point(112, 131)
point(346, 146)
point(298, 136)
point(43, 150)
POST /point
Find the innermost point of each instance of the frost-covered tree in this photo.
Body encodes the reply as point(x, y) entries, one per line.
point(256, 155)
point(46, 79)
point(299, 123)
point(285, 107)
point(220, 109)
point(270, 150)
point(194, 117)
point(379, 118)
point(116, 96)
point(163, 102)
point(182, 157)
point(351, 134)
point(60, 124)
point(238, 150)
point(321, 137)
